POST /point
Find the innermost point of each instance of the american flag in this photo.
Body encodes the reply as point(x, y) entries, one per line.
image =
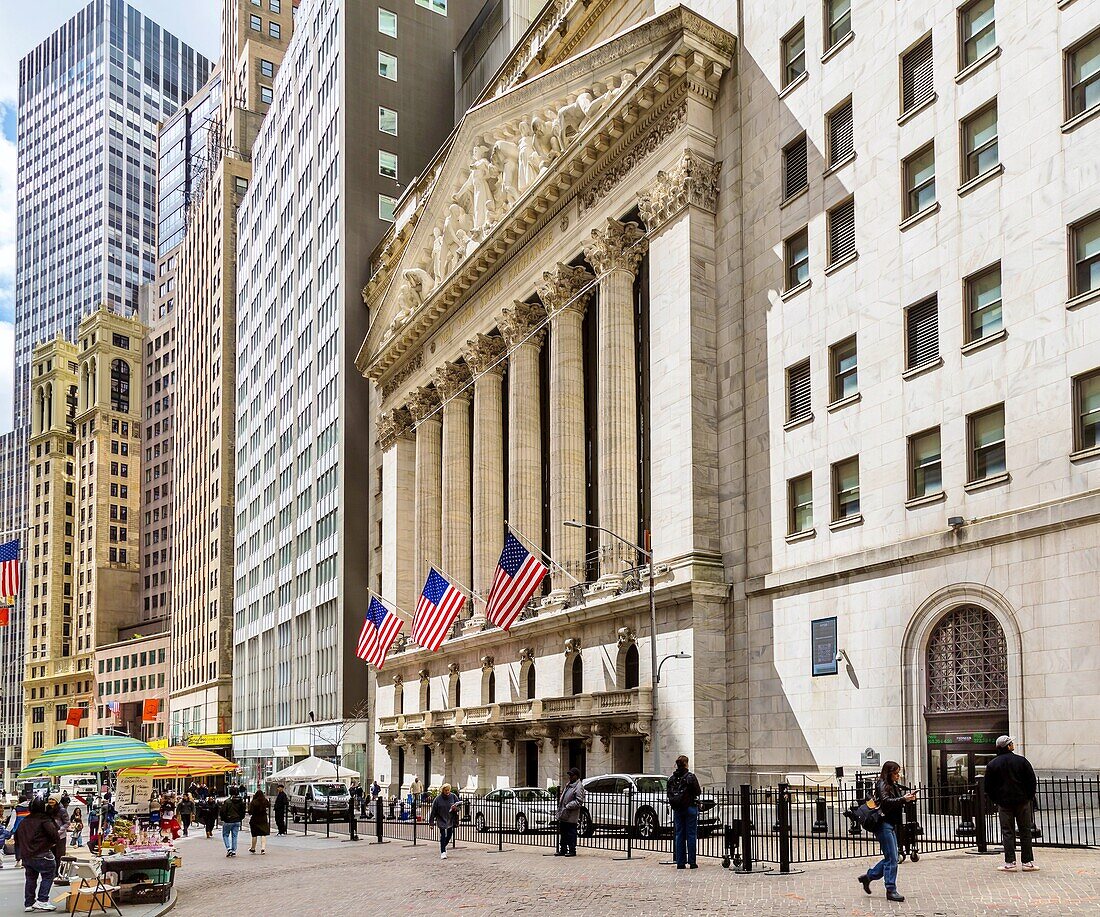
point(518, 575)
point(9, 570)
point(379, 630)
point(436, 610)
point(114, 709)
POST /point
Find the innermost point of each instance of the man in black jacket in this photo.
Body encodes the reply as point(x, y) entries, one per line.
point(282, 803)
point(683, 795)
point(232, 813)
point(1010, 784)
point(36, 839)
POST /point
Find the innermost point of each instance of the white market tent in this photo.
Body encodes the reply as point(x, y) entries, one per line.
point(312, 769)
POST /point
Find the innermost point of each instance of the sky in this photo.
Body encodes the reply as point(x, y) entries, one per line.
point(197, 22)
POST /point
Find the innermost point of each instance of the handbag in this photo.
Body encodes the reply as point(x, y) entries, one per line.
point(868, 816)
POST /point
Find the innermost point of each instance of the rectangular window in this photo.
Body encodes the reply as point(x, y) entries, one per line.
point(841, 229)
point(920, 180)
point(387, 121)
point(255, 23)
point(387, 164)
point(797, 259)
point(267, 69)
point(977, 32)
point(844, 368)
point(436, 6)
point(385, 207)
point(925, 469)
point(265, 95)
point(794, 54)
point(980, 142)
point(798, 391)
point(794, 167)
point(1086, 255)
point(983, 303)
point(274, 30)
point(839, 136)
point(1086, 399)
point(387, 66)
point(387, 22)
point(987, 443)
point(846, 489)
point(1083, 74)
point(276, 6)
point(922, 334)
point(917, 84)
point(838, 21)
point(824, 647)
point(800, 505)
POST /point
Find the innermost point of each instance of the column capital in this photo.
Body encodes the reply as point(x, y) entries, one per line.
point(559, 287)
point(519, 320)
point(451, 381)
point(694, 181)
point(394, 425)
point(483, 354)
point(616, 247)
point(422, 402)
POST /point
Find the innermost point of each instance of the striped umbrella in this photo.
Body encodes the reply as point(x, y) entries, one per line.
point(184, 761)
point(91, 755)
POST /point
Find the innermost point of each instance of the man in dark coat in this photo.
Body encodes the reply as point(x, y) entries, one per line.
point(37, 840)
point(683, 795)
point(282, 803)
point(1010, 785)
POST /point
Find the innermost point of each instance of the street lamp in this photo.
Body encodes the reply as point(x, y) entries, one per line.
point(680, 655)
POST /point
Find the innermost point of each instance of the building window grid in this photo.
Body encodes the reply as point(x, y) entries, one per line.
point(977, 32)
point(793, 47)
point(979, 136)
point(841, 231)
point(839, 134)
point(795, 177)
point(922, 333)
point(925, 464)
point(387, 22)
point(1083, 76)
point(387, 121)
point(920, 180)
point(387, 66)
point(799, 405)
point(1086, 400)
point(845, 478)
point(387, 164)
point(1085, 248)
point(917, 78)
point(983, 303)
point(797, 259)
point(838, 21)
point(800, 505)
point(986, 431)
point(844, 369)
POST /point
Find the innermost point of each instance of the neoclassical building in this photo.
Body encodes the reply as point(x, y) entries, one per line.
point(675, 280)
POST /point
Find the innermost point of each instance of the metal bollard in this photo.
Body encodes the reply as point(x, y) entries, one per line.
point(378, 819)
point(979, 793)
point(821, 817)
point(965, 827)
point(746, 828)
point(630, 821)
point(783, 820)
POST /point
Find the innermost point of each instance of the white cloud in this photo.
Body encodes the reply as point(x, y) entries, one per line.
point(7, 369)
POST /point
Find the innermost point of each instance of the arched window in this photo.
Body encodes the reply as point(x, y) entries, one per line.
point(630, 667)
point(120, 386)
point(491, 688)
point(398, 697)
point(967, 663)
point(576, 674)
point(454, 692)
point(425, 694)
point(531, 681)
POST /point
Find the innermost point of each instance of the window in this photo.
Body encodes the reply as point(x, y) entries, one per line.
point(794, 167)
point(120, 386)
point(385, 207)
point(436, 6)
point(1086, 399)
point(846, 489)
point(267, 68)
point(1086, 255)
point(977, 32)
point(265, 95)
point(387, 66)
point(920, 181)
point(987, 443)
point(1083, 71)
point(800, 505)
point(387, 164)
point(983, 303)
point(577, 675)
point(917, 85)
point(797, 258)
point(922, 334)
point(531, 681)
point(839, 137)
point(838, 21)
point(980, 142)
point(276, 6)
point(255, 23)
point(631, 668)
point(387, 121)
point(798, 391)
point(387, 22)
point(794, 54)
point(925, 470)
point(845, 378)
point(841, 229)
point(274, 30)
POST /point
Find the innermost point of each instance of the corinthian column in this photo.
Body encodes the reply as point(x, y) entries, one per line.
point(615, 252)
point(424, 408)
point(451, 380)
point(397, 441)
point(559, 291)
point(518, 323)
point(484, 357)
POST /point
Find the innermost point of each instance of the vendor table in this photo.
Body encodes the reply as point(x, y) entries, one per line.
point(143, 875)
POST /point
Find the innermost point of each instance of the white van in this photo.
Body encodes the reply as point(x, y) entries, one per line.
point(85, 786)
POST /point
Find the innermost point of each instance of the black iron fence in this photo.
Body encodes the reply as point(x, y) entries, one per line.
point(746, 827)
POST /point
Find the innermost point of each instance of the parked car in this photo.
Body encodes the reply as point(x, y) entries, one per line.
point(522, 809)
point(637, 801)
point(319, 801)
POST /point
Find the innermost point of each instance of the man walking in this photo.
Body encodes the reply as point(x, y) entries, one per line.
point(1010, 785)
point(683, 795)
point(569, 813)
point(282, 803)
point(375, 791)
point(232, 813)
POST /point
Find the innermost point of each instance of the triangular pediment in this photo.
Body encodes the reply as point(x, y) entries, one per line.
point(514, 156)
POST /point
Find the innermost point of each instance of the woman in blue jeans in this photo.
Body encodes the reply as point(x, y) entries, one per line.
point(890, 797)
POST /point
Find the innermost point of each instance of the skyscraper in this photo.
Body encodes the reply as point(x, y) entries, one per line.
point(90, 97)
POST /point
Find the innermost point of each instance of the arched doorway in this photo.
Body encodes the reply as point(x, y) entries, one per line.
point(966, 694)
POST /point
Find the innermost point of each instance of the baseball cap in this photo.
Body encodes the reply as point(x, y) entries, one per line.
point(1005, 741)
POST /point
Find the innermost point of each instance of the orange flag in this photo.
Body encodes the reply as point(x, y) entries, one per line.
point(76, 714)
point(150, 709)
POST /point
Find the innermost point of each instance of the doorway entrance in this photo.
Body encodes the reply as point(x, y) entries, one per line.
point(529, 763)
point(574, 755)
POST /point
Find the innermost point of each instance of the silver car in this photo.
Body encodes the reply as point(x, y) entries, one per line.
point(319, 801)
point(521, 809)
point(638, 801)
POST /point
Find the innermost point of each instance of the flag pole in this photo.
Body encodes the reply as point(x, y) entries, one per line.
point(554, 565)
point(400, 611)
point(470, 594)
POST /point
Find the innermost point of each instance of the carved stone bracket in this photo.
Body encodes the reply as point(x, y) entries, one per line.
point(518, 322)
point(422, 403)
point(452, 381)
point(483, 354)
point(626, 635)
point(398, 680)
point(393, 425)
point(423, 675)
point(616, 247)
point(562, 288)
point(453, 668)
point(486, 662)
point(399, 377)
point(693, 182)
point(572, 645)
point(526, 654)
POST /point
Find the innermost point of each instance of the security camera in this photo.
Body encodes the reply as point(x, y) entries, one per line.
point(956, 522)
point(839, 656)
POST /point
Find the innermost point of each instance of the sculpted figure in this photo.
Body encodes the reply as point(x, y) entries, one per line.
point(420, 281)
point(437, 254)
point(453, 250)
point(545, 141)
point(505, 158)
point(571, 118)
point(407, 301)
point(477, 187)
point(531, 161)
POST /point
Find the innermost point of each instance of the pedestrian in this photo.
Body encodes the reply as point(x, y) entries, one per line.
point(76, 828)
point(154, 811)
point(36, 841)
point(186, 810)
point(65, 800)
point(416, 790)
point(1010, 785)
point(890, 797)
point(375, 792)
point(683, 793)
point(61, 819)
point(208, 814)
point(204, 791)
point(192, 789)
point(282, 803)
point(444, 816)
point(259, 821)
point(232, 813)
point(569, 813)
point(358, 798)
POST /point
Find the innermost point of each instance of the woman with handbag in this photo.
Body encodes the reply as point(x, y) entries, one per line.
point(890, 797)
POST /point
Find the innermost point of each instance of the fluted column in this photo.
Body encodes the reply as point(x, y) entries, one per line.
point(397, 439)
point(560, 293)
point(424, 408)
point(614, 252)
point(452, 382)
point(484, 355)
point(518, 323)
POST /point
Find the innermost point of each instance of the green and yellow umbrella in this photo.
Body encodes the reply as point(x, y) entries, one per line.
point(91, 755)
point(184, 761)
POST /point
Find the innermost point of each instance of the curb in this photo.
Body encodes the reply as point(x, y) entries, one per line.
point(166, 906)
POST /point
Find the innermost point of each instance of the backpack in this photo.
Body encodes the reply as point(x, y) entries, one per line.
point(678, 796)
